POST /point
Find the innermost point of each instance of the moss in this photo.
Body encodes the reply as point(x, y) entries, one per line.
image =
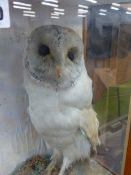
point(33, 166)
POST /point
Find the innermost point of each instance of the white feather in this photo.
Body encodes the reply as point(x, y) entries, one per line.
point(56, 115)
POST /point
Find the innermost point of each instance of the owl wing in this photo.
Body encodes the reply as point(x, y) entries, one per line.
point(91, 127)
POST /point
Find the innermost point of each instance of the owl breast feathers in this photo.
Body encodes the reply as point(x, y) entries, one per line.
point(60, 94)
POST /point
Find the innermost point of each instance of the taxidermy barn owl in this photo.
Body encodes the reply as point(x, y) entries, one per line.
point(60, 95)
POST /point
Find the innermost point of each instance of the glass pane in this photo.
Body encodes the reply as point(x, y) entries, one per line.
point(47, 98)
point(108, 62)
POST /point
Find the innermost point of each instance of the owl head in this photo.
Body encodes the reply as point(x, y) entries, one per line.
point(54, 55)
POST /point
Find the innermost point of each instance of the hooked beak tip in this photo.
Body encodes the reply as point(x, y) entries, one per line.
point(59, 72)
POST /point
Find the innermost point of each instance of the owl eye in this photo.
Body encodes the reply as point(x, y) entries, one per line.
point(43, 50)
point(72, 54)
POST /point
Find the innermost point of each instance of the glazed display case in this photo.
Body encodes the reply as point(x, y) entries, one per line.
point(104, 29)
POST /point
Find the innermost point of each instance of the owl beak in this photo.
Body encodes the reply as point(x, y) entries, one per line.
point(59, 72)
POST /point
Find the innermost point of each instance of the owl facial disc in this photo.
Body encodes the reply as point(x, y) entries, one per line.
point(54, 56)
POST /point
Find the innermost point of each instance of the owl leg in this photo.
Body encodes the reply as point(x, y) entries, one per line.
point(51, 166)
point(65, 165)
